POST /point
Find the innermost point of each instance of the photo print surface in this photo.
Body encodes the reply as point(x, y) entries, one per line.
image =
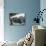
point(17, 18)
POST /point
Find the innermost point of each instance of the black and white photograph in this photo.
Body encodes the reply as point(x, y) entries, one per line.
point(17, 18)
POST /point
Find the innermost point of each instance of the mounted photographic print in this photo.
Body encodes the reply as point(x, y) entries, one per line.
point(17, 18)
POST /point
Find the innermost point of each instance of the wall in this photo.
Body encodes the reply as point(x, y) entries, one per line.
point(43, 6)
point(29, 7)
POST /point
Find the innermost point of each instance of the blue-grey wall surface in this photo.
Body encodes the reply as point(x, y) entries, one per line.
point(29, 7)
point(43, 6)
